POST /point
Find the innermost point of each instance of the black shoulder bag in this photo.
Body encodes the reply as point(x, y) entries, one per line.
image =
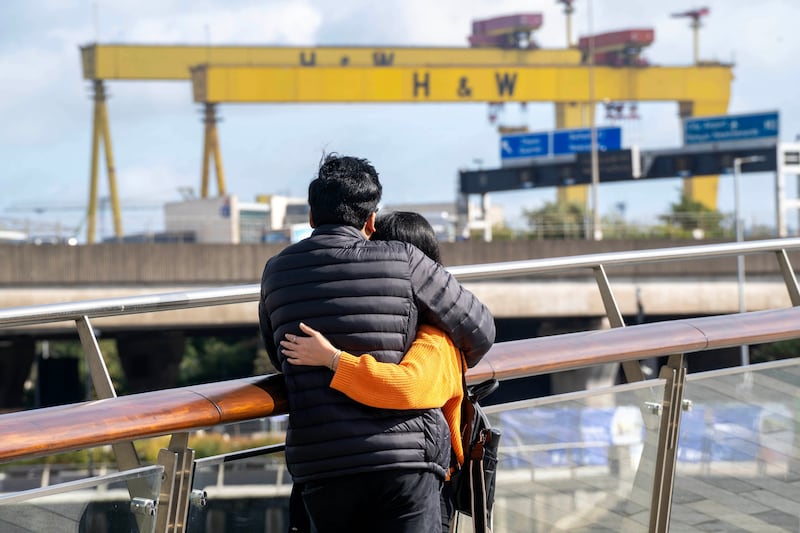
point(474, 483)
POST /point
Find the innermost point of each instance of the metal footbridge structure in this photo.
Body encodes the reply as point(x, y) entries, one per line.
point(717, 450)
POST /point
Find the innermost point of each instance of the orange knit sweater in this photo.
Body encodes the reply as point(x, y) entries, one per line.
point(429, 376)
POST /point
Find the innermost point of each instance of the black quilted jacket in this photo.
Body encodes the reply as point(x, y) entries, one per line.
point(366, 297)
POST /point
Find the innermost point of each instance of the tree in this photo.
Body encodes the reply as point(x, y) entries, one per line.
point(217, 358)
point(775, 350)
point(689, 215)
point(500, 232)
point(557, 220)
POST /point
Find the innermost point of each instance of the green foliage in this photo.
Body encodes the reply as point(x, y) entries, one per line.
point(689, 215)
point(775, 350)
point(500, 232)
point(687, 219)
point(73, 349)
point(210, 444)
point(205, 444)
point(615, 227)
point(217, 358)
point(557, 220)
point(95, 456)
point(262, 365)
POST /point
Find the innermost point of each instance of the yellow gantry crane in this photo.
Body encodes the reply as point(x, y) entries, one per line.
point(113, 62)
point(699, 90)
point(239, 74)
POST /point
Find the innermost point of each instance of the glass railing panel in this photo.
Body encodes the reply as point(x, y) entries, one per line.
point(739, 451)
point(241, 491)
point(577, 462)
point(124, 501)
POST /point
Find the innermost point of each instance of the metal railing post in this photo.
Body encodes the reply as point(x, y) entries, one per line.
point(632, 369)
point(788, 276)
point(674, 373)
point(173, 504)
point(124, 452)
point(101, 379)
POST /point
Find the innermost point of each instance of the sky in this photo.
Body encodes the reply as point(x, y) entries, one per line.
point(157, 134)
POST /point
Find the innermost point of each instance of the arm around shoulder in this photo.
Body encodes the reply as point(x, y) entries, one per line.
point(446, 304)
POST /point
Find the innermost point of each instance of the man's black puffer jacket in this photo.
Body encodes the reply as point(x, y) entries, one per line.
point(366, 297)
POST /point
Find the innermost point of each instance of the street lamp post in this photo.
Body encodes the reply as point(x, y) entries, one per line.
point(737, 170)
point(597, 231)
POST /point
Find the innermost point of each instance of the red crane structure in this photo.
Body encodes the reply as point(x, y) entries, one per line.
point(695, 15)
point(510, 31)
point(617, 48)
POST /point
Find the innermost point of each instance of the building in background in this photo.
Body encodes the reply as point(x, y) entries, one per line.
point(451, 222)
point(227, 220)
point(283, 219)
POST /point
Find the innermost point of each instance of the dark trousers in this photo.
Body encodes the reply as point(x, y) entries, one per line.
point(389, 501)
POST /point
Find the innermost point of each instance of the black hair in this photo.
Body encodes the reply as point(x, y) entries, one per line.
point(346, 191)
point(408, 227)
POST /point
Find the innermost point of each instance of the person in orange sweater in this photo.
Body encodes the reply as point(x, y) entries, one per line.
point(430, 374)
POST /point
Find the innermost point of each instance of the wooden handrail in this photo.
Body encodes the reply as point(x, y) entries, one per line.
point(76, 426)
point(557, 353)
point(58, 429)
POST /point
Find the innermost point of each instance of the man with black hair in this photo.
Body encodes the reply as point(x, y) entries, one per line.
point(363, 468)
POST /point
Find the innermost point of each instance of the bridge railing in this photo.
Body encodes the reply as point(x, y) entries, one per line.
point(235, 294)
point(119, 421)
point(82, 312)
point(178, 412)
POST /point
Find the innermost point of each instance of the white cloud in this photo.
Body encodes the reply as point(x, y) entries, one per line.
point(253, 23)
point(157, 131)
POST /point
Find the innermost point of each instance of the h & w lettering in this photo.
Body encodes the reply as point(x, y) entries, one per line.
point(425, 84)
point(505, 82)
point(383, 59)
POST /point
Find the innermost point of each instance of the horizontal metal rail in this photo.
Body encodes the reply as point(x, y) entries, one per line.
point(70, 311)
point(558, 264)
point(56, 429)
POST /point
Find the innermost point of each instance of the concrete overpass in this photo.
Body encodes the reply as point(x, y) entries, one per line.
point(34, 275)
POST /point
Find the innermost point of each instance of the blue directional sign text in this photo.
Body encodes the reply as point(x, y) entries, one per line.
point(559, 142)
point(525, 145)
point(730, 128)
point(580, 140)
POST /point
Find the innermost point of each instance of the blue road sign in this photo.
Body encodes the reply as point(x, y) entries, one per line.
point(580, 140)
point(559, 142)
point(525, 145)
point(730, 128)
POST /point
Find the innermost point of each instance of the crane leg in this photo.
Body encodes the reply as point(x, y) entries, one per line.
point(573, 115)
point(207, 120)
point(215, 150)
point(111, 170)
point(211, 150)
point(91, 214)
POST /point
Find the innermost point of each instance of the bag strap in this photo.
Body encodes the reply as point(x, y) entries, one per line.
point(474, 450)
